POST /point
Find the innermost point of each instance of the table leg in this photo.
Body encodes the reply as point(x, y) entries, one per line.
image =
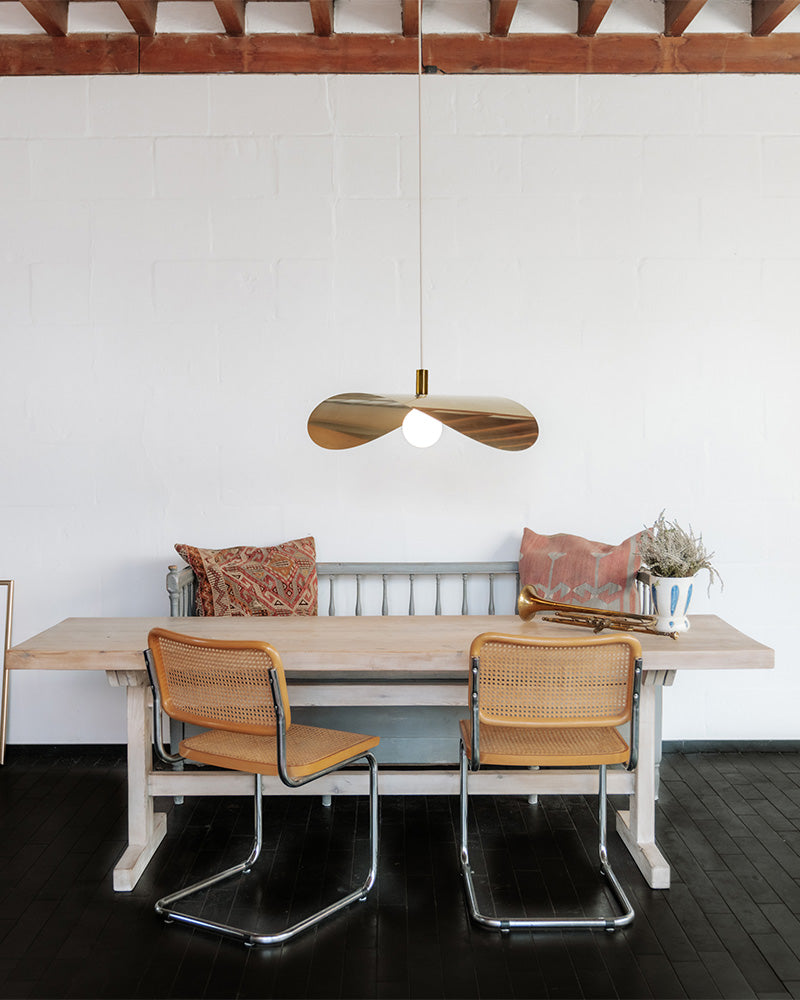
point(146, 828)
point(637, 828)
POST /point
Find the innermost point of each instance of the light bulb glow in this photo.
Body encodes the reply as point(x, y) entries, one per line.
point(420, 429)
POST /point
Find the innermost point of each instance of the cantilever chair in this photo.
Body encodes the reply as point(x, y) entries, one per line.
point(238, 690)
point(550, 703)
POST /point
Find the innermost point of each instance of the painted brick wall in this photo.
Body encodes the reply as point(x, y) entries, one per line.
point(188, 265)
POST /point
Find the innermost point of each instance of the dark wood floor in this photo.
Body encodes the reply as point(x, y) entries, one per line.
point(729, 926)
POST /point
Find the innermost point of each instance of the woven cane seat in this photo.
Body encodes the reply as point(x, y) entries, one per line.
point(526, 747)
point(308, 749)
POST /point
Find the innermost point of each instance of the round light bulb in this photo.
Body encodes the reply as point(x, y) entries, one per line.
point(420, 429)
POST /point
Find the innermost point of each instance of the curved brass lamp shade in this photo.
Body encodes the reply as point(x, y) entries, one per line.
point(353, 418)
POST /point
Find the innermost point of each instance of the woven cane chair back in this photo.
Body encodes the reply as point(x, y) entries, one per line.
point(218, 684)
point(539, 683)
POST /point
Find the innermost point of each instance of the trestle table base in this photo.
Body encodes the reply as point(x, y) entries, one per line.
point(146, 828)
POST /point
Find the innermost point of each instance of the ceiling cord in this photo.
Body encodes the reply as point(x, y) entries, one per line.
point(419, 167)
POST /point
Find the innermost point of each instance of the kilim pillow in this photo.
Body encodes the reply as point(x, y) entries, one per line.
point(245, 580)
point(573, 570)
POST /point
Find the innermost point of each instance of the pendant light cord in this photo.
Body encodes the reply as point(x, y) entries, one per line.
point(419, 167)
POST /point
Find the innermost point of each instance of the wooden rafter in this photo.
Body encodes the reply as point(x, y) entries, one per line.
point(322, 16)
point(231, 13)
point(768, 14)
point(141, 14)
point(410, 15)
point(679, 14)
point(501, 14)
point(52, 15)
point(590, 14)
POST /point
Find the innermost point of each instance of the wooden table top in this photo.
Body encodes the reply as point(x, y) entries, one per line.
point(381, 648)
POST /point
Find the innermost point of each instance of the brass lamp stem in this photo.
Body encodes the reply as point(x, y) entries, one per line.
point(422, 381)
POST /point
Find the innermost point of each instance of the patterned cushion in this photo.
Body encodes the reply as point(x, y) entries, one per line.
point(244, 580)
point(573, 570)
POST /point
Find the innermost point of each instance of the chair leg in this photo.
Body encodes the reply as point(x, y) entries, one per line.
point(250, 937)
point(540, 923)
point(605, 865)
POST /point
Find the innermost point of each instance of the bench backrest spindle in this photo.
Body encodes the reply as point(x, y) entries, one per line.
point(378, 588)
point(364, 586)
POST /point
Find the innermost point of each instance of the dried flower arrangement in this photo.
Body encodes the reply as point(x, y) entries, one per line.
point(668, 550)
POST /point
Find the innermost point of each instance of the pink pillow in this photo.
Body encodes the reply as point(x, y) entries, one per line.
point(573, 570)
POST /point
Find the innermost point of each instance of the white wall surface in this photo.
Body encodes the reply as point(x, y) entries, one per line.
point(188, 265)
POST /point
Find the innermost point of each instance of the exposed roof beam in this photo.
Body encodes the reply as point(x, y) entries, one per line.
point(501, 14)
point(52, 15)
point(679, 14)
point(42, 54)
point(519, 53)
point(609, 53)
point(590, 14)
point(410, 14)
point(768, 14)
point(142, 15)
point(322, 15)
point(231, 13)
point(279, 53)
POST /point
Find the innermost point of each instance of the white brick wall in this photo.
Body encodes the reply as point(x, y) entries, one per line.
point(189, 264)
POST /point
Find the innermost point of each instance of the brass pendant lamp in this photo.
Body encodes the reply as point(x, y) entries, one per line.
point(354, 418)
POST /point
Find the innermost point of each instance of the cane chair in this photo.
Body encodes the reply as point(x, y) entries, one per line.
point(550, 703)
point(237, 689)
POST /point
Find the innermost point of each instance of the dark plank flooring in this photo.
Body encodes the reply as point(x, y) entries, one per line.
point(729, 926)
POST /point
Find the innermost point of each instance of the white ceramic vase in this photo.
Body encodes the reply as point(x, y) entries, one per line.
point(671, 596)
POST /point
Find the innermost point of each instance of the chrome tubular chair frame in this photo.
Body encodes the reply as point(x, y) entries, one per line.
point(471, 762)
point(165, 905)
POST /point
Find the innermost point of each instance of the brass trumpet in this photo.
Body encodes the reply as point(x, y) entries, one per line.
point(529, 605)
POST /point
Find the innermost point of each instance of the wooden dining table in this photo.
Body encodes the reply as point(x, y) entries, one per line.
point(375, 661)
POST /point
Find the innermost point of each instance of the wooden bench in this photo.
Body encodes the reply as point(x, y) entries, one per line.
point(416, 735)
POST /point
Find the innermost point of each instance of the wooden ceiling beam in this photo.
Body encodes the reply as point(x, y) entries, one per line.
point(590, 15)
point(88, 54)
point(279, 53)
point(470, 54)
point(141, 14)
point(768, 14)
point(52, 15)
point(501, 14)
point(231, 13)
point(44, 55)
point(322, 16)
point(609, 53)
point(679, 14)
